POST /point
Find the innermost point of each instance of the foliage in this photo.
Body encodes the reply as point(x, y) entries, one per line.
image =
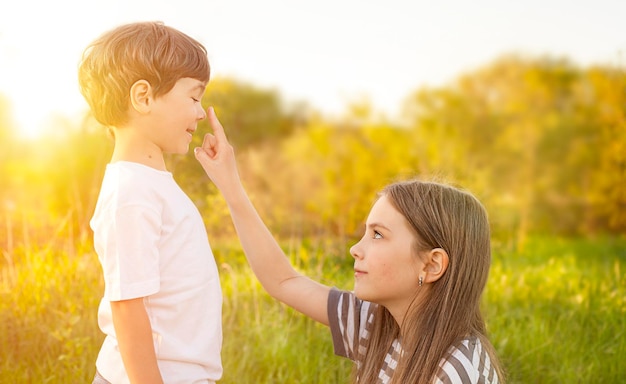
point(540, 138)
point(328, 176)
point(48, 312)
point(550, 317)
point(557, 310)
point(252, 115)
point(540, 141)
point(50, 182)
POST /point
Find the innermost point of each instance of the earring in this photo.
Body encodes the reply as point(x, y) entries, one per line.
point(420, 282)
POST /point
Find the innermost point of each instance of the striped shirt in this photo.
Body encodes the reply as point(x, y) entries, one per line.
point(351, 321)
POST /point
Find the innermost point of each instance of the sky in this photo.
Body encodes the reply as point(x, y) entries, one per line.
point(328, 53)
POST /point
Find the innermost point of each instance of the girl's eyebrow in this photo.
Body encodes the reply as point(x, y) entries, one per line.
point(377, 225)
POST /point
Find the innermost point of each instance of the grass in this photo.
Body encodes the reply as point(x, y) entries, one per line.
point(556, 314)
point(47, 311)
point(557, 311)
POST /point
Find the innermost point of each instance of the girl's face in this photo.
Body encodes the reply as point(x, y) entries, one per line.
point(386, 268)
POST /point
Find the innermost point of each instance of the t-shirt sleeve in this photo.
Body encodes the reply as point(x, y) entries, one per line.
point(347, 316)
point(467, 362)
point(130, 260)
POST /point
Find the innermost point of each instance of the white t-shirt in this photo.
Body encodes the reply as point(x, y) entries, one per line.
point(152, 243)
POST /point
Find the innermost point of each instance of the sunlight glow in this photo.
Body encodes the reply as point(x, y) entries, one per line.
point(39, 54)
point(34, 111)
point(366, 50)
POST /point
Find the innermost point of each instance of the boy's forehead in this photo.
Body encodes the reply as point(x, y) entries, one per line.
point(193, 83)
point(199, 83)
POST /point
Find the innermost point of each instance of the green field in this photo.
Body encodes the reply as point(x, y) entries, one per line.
point(556, 312)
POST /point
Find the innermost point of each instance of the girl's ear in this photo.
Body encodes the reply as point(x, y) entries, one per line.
point(141, 96)
point(436, 264)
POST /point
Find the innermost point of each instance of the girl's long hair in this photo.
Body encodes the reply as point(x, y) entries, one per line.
point(448, 310)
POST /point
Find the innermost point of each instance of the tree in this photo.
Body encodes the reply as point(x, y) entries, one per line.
point(530, 136)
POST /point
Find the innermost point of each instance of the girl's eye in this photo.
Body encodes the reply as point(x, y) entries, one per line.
point(194, 99)
point(377, 235)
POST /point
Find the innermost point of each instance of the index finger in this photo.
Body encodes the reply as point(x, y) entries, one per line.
point(215, 124)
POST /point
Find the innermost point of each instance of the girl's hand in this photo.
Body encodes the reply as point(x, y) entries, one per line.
point(217, 156)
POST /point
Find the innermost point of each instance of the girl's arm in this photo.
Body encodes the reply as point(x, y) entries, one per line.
point(267, 259)
point(134, 337)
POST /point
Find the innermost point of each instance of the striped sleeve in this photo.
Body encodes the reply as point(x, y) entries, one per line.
point(467, 363)
point(347, 317)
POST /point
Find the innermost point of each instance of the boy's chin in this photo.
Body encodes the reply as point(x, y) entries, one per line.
point(179, 151)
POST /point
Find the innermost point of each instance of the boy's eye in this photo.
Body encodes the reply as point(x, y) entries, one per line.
point(377, 235)
point(194, 99)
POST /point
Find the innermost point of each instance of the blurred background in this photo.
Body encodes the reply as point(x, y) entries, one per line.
point(326, 102)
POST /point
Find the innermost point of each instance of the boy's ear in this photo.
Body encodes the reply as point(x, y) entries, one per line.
point(436, 264)
point(141, 96)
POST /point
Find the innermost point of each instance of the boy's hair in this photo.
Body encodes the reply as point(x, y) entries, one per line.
point(148, 51)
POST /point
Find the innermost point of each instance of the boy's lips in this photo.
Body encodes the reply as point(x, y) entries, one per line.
point(358, 272)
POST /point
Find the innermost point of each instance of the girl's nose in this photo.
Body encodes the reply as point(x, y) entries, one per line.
point(355, 251)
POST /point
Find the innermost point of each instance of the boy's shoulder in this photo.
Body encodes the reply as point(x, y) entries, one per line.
point(135, 173)
point(130, 180)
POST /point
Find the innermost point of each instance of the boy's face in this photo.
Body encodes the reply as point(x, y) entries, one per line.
point(175, 115)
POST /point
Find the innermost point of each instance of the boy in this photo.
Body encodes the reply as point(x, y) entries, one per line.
point(161, 309)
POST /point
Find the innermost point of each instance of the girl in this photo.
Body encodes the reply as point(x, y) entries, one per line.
point(420, 270)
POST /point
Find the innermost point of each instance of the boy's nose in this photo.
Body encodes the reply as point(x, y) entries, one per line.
point(202, 114)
